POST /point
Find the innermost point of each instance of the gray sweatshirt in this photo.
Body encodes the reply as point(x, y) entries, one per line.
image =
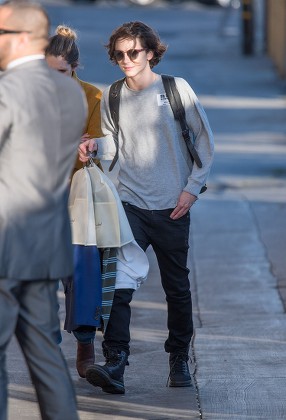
point(154, 162)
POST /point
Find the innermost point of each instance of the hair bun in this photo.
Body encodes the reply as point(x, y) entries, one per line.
point(66, 31)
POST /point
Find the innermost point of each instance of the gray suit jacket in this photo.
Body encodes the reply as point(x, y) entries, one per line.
point(42, 115)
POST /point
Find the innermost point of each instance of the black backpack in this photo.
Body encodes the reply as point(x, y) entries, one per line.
point(177, 108)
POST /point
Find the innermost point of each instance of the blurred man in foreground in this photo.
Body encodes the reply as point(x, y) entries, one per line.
point(42, 115)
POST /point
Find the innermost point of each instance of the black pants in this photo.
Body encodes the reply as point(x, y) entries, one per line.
point(169, 239)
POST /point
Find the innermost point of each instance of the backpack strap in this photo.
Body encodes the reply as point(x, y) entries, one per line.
point(180, 115)
point(114, 101)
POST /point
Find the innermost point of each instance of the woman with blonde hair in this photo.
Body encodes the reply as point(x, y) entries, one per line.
point(62, 54)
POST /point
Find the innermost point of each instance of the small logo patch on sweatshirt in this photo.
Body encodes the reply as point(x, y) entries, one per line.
point(162, 99)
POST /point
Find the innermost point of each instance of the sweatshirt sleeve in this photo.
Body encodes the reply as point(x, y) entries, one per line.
point(202, 137)
point(106, 144)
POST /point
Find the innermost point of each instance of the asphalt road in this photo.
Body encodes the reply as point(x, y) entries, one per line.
point(199, 52)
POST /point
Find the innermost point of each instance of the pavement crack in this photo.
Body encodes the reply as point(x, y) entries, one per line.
point(196, 386)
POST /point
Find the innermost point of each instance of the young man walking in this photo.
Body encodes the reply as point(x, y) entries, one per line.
point(158, 183)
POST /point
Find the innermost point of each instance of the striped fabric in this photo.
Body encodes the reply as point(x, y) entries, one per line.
point(108, 275)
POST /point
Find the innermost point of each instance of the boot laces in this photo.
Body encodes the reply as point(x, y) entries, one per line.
point(112, 358)
point(179, 363)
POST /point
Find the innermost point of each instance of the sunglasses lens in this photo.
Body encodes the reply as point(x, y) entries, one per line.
point(118, 55)
point(132, 54)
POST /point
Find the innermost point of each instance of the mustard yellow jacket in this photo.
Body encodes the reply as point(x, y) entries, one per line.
point(93, 128)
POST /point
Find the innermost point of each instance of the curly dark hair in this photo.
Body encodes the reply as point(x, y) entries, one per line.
point(132, 30)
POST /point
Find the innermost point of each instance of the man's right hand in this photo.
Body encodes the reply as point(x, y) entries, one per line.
point(85, 148)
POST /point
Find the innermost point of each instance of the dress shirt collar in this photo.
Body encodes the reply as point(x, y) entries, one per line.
point(26, 59)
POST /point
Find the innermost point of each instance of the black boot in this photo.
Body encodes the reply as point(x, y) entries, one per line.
point(110, 376)
point(179, 369)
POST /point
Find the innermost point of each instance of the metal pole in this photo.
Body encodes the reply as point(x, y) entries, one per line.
point(248, 27)
point(266, 28)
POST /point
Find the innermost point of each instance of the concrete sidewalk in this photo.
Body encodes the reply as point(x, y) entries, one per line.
point(147, 396)
point(240, 344)
point(239, 245)
point(237, 261)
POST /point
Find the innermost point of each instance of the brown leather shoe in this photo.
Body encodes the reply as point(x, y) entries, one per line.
point(84, 358)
